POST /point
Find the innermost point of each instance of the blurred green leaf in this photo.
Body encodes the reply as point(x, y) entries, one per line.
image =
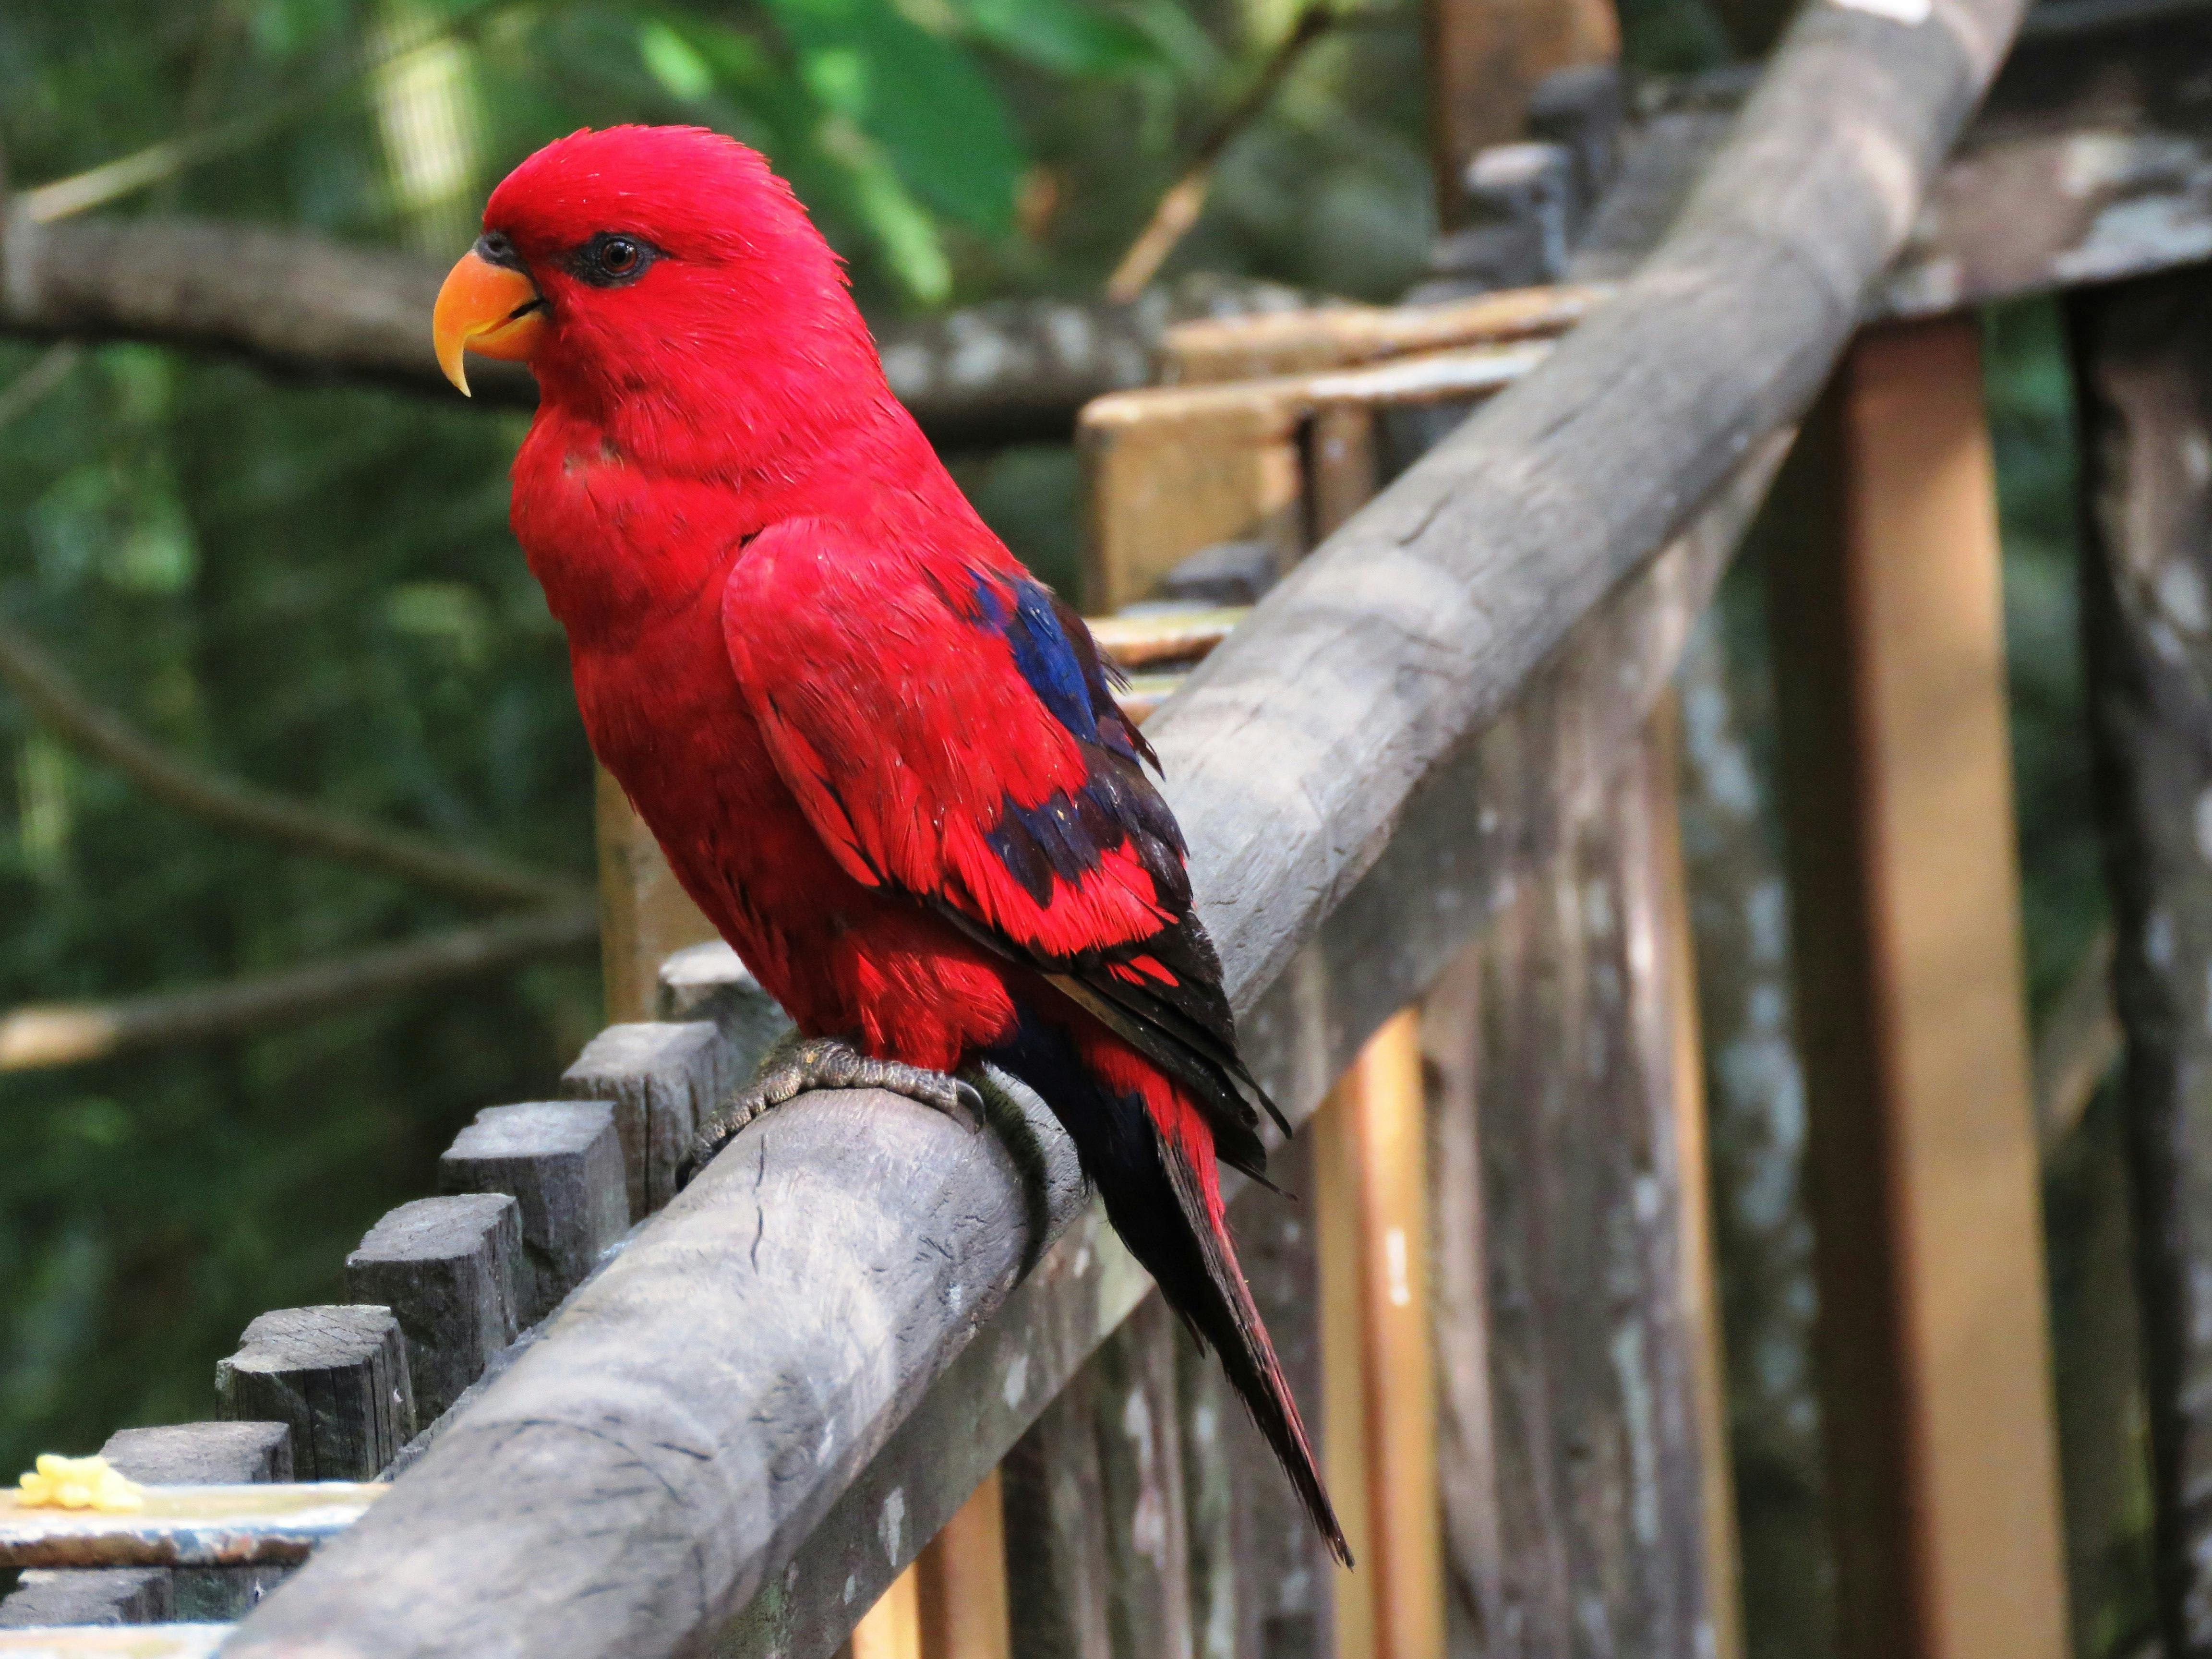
point(674, 62)
point(1068, 36)
point(908, 236)
point(942, 127)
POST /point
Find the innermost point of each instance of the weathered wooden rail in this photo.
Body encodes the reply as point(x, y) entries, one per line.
point(1428, 787)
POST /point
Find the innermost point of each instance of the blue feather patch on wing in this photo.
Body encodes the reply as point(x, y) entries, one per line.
point(1021, 612)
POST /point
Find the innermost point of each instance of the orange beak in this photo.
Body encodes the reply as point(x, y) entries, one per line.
point(493, 311)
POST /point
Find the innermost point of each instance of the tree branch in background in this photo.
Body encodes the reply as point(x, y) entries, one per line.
point(67, 1034)
point(174, 156)
point(231, 804)
point(300, 304)
point(1179, 209)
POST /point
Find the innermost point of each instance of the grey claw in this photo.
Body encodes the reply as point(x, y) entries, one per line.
point(792, 1068)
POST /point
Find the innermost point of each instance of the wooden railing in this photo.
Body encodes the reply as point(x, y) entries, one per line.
point(1428, 787)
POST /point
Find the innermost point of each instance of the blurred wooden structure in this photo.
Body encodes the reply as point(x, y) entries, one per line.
point(897, 1388)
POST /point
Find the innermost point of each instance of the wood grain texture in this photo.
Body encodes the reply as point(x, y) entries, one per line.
point(660, 1078)
point(2144, 359)
point(336, 1375)
point(1397, 928)
point(645, 916)
point(707, 981)
point(1098, 1549)
point(1922, 1157)
point(447, 1267)
point(776, 1403)
point(2090, 161)
point(644, 1452)
point(1388, 1122)
point(105, 1595)
point(960, 1581)
point(1594, 1457)
point(1755, 1076)
point(1226, 1577)
point(1058, 1585)
point(1227, 470)
point(1306, 342)
point(1459, 1310)
point(1347, 1457)
point(208, 1454)
point(562, 1162)
point(1139, 1429)
point(1663, 971)
point(202, 1454)
point(1286, 1580)
point(1279, 462)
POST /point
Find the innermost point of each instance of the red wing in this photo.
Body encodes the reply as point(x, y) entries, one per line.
point(937, 743)
point(948, 732)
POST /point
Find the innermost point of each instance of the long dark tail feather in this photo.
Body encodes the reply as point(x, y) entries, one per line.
point(1168, 1215)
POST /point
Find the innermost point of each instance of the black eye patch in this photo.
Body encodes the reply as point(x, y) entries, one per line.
point(612, 259)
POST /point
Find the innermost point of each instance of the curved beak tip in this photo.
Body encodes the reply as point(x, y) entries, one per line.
point(493, 311)
point(450, 360)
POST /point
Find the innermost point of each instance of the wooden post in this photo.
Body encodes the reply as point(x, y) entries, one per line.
point(1922, 1170)
point(1388, 1105)
point(707, 981)
point(1142, 1488)
point(1055, 1533)
point(1281, 1582)
point(1668, 1022)
point(644, 916)
point(1601, 1463)
point(1097, 1551)
point(210, 1455)
point(337, 1376)
point(892, 1628)
point(447, 1268)
point(1485, 56)
point(1161, 489)
point(1347, 1459)
point(1466, 1458)
point(2144, 372)
point(108, 1596)
point(659, 1079)
point(562, 1162)
point(1757, 1139)
point(177, 1455)
point(961, 1582)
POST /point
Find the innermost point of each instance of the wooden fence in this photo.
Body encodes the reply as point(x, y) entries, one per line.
point(1428, 783)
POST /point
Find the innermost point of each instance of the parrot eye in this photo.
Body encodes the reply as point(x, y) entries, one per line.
point(610, 260)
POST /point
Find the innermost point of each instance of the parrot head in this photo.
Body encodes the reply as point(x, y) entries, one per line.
point(651, 264)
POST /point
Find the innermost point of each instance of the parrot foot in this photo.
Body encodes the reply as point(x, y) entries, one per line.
point(795, 1066)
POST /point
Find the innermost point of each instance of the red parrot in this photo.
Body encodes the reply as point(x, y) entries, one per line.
point(880, 757)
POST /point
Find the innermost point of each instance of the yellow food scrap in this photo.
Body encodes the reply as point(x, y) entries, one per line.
point(78, 1483)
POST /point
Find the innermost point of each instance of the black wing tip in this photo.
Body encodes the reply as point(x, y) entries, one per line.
point(1267, 1101)
point(1323, 1516)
